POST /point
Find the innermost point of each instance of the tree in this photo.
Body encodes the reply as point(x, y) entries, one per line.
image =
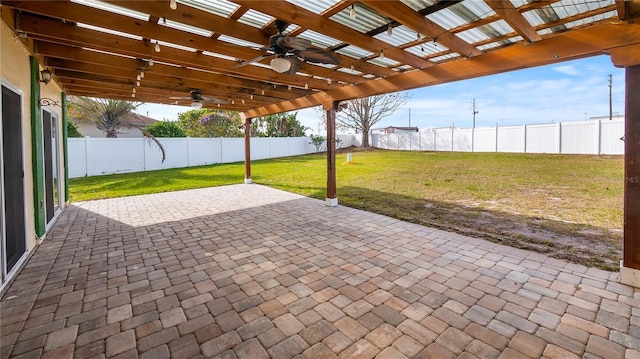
point(361, 114)
point(210, 123)
point(166, 129)
point(278, 125)
point(72, 129)
point(109, 116)
point(317, 141)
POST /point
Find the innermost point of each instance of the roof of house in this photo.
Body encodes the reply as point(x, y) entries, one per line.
point(140, 120)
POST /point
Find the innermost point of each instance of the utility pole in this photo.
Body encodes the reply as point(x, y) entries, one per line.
point(610, 98)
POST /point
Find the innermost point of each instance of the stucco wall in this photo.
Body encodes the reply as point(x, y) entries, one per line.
point(15, 74)
point(14, 67)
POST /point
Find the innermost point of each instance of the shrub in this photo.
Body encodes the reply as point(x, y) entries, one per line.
point(166, 129)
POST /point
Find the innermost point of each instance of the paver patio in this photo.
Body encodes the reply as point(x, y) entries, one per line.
point(247, 271)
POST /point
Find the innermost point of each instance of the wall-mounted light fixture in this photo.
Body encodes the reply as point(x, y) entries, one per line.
point(45, 76)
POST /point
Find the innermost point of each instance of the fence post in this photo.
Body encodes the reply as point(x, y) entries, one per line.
point(435, 136)
point(452, 136)
point(188, 159)
point(86, 156)
point(144, 156)
point(496, 134)
point(559, 126)
point(599, 137)
point(524, 138)
point(473, 132)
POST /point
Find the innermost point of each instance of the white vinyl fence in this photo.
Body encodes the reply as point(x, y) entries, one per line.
point(600, 137)
point(100, 156)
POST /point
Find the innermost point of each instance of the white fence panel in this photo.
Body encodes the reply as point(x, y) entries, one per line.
point(542, 138)
point(126, 156)
point(345, 141)
point(462, 140)
point(413, 141)
point(427, 141)
point(300, 146)
point(484, 139)
point(98, 156)
point(260, 148)
point(232, 150)
point(357, 140)
point(511, 139)
point(588, 137)
point(176, 154)
point(404, 142)
point(77, 152)
point(610, 137)
point(203, 151)
point(444, 139)
point(580, 137)
point(393, 140)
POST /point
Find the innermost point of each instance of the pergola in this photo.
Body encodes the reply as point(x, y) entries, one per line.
point(152, 50)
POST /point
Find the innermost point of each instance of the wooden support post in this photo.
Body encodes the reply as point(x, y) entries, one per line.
point(247, 150)
point(630, 266)
point(332, 199)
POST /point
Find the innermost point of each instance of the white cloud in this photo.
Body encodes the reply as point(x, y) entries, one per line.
point(566, 70)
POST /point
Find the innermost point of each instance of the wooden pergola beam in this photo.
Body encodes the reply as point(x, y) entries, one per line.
point(295, 14)
point(422, 25)
point(514, 18)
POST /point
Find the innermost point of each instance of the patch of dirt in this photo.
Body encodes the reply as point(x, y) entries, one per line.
point(578, 243)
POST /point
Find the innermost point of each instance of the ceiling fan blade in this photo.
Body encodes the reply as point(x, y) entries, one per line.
point(214, 100)
point(295, 65)
point(179, 98)
point(256, 59)
point(319, 56)
point(294, 43)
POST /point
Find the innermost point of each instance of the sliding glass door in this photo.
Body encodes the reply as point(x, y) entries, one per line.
point(12, 207)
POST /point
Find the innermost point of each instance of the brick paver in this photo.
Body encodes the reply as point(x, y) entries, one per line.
point(247, 271)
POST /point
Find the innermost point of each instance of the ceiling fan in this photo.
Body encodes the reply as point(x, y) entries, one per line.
point(195, 95)
point(290, 51)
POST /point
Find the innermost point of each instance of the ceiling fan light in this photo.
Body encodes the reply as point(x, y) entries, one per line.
point(280, 65)
point(196, 104)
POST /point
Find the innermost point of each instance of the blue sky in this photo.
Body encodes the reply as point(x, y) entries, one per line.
point(568, 91)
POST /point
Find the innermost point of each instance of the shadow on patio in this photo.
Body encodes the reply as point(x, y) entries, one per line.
point(247, 271)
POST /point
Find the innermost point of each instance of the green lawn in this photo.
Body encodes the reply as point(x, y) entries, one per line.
point(569, 206)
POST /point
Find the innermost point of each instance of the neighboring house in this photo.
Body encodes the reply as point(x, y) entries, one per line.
point(33, 161)
point(88, 127)
point(394, 129)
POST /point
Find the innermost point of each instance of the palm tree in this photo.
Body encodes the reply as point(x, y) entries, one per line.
point(109, 116)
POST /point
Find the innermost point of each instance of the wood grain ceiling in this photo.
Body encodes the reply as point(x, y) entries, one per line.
point(88, 61)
